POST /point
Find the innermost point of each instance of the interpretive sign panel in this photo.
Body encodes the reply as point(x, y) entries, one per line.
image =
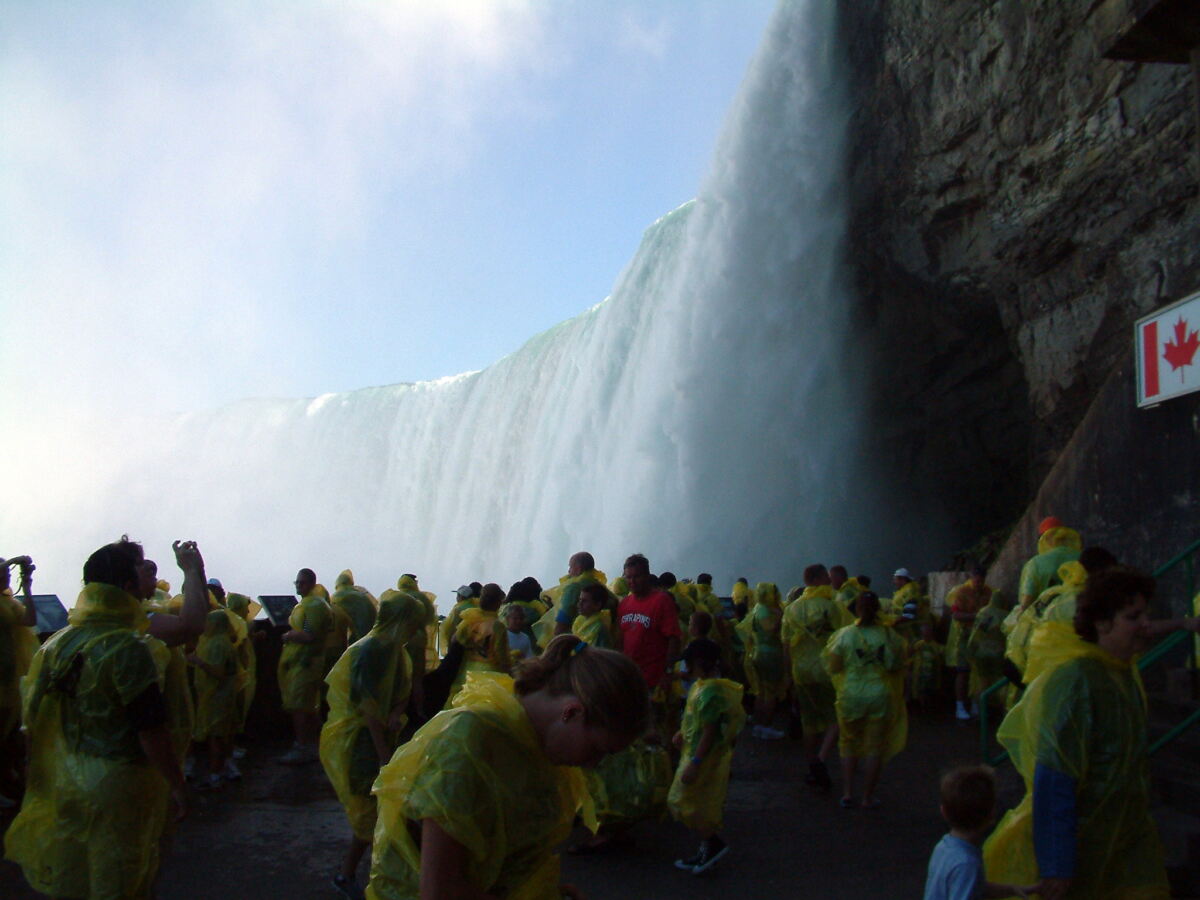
point(278, 607)
point(51, 614)
point(1167, 362)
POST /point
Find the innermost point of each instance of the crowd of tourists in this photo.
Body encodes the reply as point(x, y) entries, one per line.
point(465, 747)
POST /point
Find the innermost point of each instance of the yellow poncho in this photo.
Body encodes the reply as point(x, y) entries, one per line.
point(246, 609)
point(766, 666)
point(302, 666)
point(596, 629)
point(372, 680)
point(866, 663)
point(964, 598)
point(18, 642)
point(485, 644)
point(424, 643)
point(94, 808)
point(218, 713)
point(1055, 547)
point(564, 598)
point(631, 785)
point(1072, 576)
point(355, 603)
point(985, 646)
point(479, 771)
point(808, 623)
point(1083, 715)
point(711, 701)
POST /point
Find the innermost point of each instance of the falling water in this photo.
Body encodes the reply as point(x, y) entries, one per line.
point(702, 413)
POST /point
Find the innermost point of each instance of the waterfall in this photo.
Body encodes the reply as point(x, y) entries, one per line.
point(703, 413)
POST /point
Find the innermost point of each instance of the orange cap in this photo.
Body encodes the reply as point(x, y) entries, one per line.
point(1048, 523)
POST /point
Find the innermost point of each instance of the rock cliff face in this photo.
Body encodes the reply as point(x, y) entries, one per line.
point(1018, 202)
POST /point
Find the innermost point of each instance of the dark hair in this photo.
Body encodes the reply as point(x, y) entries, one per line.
point(608, 684)
point(1094, 559)
point(968, 796)
point(585, 560)
point(114, 564)
point(864, 580)
point(309, 573)
point(532, 585)
point(703, 654)
point(703, 578)
point(477, 589)
point(667, 580)
point(491, 596)
point(743, 580)
point(637, 561)
point(596, 591)
point(1106, 594)
point(867, 607)
point(703, 620)
point(813, 572)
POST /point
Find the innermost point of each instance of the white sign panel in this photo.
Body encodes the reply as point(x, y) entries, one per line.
point(1168, 363)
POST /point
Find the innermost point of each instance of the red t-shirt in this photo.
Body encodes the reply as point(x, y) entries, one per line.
point(647, 625)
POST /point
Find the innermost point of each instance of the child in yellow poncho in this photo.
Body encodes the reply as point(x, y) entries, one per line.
point(925, 668)
point(484, 639)
point(711, 722)
point(218, 678)
point(476, 802)
point(594, 622)
point(369, 690)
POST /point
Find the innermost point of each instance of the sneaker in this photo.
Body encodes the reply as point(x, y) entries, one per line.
point(689, 864)
point(232, 772)
point(710, 852)
point(239, 753)
point(211, 782)
point(348, 887)
point(299, 755)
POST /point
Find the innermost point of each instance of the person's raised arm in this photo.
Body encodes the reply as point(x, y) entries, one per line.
point(444, 863)
point(195, 588)
point(25, 587)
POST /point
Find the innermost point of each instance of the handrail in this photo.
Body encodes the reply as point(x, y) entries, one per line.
point(1157, 652)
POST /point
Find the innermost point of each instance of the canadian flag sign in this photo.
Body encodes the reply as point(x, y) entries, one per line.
point(1167, 358)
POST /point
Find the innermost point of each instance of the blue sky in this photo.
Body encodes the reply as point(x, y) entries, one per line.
point(206, 201)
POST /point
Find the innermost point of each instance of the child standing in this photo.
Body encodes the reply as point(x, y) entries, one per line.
point(218, 681)
point(711, 722)
point(968, 796)
point(594, 622)
point(519, 645)
point(925, 673)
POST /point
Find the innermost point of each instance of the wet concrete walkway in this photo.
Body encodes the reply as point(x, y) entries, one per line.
point(281, 833)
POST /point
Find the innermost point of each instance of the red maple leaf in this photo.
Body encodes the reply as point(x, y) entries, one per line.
point(1182, 350)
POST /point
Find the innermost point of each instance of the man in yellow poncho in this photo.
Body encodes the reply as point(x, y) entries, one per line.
point(581, 570)
point(466, 597)
point(1078, 738)
point(369, 691)
point(845, 588)
point(302, 667)
point(422, 646)
point(476, 802)
point(964, 603)
point(712, 720)
point(355, 603)
point(101, 763)
point(18, 641)
point(594, 622)
point(808, 623)
point(1057, 544)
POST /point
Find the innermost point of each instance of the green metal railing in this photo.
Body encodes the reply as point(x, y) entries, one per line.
point(1186, 557)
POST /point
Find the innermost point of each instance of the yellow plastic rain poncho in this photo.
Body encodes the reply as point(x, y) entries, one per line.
point(742, 595)
point(631, 785)
point(94, 808)
point(1083, 715)
point(18, 643)
point(808, 623)
point(596, 629)
point(302, 666)
point(217, 711)
point(620, 587)
point(701, 804)
point(685, 604)
point(355, 603)
point(985, 645)
point(1055, 547)
point(479, 771)
point(925, 669)
point(866, 663)
point(245, 609)
point(450, 623)
point(766, 664)
point(964, 599)
point(370, 685)
point(848, 593)
point(424, 642)
point(485, 644)
point(564, 603)
point(1072, 576)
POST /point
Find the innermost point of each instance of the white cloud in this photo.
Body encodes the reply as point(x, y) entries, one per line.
point(644, 37)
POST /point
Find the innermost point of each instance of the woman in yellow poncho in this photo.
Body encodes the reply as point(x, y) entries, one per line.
point(866, 661)
point(369, 690)
point(1078, 738)
point(101, 762)
point(766, 664)
point(808, 623)
point(484, 639)
point(477, 800)
point(712, 720)
point(218, 679)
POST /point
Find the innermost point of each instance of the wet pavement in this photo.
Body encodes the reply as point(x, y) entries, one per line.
point(281, 833)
